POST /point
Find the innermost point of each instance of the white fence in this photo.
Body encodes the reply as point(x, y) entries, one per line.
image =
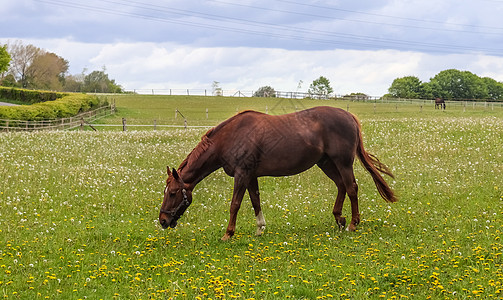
point(237, 93)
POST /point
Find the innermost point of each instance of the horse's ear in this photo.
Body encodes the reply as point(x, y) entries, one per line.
point(175, 174)
point(169, 172)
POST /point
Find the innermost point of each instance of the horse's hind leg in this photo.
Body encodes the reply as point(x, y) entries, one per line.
point(348, 177)
point(255, 200)
point(329, 168)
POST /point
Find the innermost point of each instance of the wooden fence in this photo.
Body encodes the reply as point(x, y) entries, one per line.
point(79, 120)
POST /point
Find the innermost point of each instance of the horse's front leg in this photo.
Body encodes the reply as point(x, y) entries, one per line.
point(237, 198)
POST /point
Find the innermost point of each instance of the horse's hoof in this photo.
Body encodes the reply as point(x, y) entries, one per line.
point(341, 222)
point(351, 227)
point(226, 237)
point(260, 230)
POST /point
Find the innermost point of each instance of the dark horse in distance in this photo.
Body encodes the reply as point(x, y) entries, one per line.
point(253, 144)
point(439, 103)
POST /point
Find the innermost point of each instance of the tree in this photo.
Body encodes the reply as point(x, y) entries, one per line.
point(357, 96)
point(265, 91)
point(9, 80)
point(455, 84)
point(22, 57)
point(494, 88)
point(73, 83)
point(47, 71)
point(4, 60)
point(406, 87)
point(449, 84)
point(98, 82)
point(320, 87)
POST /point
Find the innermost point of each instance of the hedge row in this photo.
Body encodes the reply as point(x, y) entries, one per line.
point(67, 106)
point(29, 96)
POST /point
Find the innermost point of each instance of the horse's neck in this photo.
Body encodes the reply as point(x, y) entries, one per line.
point(198, 165)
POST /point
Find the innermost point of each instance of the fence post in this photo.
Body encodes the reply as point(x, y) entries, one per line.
point(206, 114)
point(81, 124)
point(7, 125)
point(176, 110)
point(185, 123)
point(124, 127)
point(155, 124)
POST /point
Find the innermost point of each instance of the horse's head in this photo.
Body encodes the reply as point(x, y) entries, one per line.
point(177, 198)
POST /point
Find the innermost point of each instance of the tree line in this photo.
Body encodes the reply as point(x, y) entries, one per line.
point(30, 67)
point(449, 84)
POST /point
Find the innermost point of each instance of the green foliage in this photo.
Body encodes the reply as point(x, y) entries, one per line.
point(4, 59)
point(494, 88)
point(98, 82)
point(265, 91)
point(28, 96)
point(408, 87)
point(321, 87)
point(449, 84)
point(455, 84)
point(51, 105)
point(9, 81)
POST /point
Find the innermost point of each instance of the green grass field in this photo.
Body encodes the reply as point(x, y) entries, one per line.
point(79, 211)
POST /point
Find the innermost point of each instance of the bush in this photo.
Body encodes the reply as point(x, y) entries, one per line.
point(68, 105)
point(28, 96)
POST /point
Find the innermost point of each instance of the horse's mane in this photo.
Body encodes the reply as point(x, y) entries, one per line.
point(206, 140)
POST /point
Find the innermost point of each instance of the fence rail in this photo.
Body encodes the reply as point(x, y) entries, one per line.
point(86, 118)
point(282, 94)
point(241, 93)
point(79, 120)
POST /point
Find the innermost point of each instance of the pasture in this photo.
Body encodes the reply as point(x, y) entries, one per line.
point(79, 211)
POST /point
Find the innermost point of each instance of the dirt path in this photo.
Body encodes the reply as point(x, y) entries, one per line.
point(7, 104)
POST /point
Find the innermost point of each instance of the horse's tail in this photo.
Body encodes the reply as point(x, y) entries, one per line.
point(374, 166)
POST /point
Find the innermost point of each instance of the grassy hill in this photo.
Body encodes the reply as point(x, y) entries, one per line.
point(144, 109)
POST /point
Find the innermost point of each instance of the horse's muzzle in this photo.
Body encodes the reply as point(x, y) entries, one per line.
point(168, 222)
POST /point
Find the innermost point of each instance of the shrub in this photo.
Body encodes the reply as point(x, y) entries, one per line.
point(28, 96)
point(63, 105)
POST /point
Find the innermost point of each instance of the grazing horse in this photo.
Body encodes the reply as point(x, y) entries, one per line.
point(439, 103)
point(253, 144)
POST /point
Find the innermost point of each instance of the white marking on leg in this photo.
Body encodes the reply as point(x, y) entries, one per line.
point(260, 223)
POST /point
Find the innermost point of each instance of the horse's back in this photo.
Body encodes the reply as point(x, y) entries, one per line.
point(287, 144)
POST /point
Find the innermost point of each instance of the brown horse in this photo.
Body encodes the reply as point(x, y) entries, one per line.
point(439, 103)
point(252, 144)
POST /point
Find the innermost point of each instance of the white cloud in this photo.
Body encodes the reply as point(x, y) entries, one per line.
point(172, 66)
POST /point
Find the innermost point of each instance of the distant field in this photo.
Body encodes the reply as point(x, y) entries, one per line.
point(144, 109)
point(79, 209)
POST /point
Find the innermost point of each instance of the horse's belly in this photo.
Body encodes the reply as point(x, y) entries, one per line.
point(289, 163)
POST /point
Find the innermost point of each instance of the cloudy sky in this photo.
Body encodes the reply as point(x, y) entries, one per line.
point(359, 45)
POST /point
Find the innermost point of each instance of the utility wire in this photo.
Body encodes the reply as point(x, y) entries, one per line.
point(264, 28)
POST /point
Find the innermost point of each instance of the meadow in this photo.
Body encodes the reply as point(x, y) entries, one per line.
point(79, 211)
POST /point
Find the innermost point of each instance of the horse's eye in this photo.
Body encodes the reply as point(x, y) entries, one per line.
point(172, 194)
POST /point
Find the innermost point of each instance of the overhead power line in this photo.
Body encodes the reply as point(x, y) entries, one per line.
point(167, 14)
